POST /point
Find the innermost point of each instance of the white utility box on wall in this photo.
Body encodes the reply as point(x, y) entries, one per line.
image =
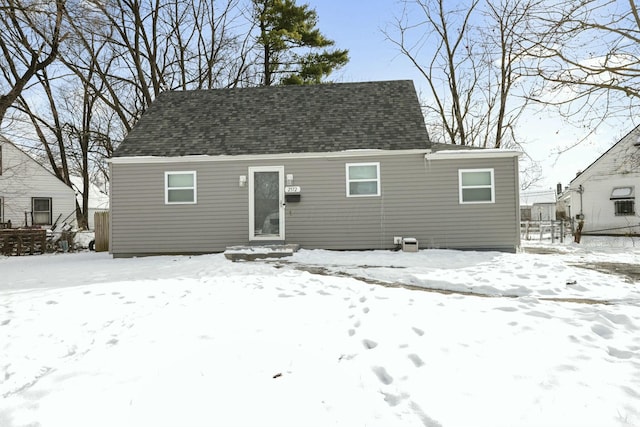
point(409, 244)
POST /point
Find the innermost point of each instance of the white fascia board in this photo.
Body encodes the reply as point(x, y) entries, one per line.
point(471, 154)
point(249, 157)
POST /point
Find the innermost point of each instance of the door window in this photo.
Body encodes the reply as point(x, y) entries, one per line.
point(265, 203)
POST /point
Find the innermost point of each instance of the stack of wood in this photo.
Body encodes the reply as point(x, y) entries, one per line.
point(22, 241)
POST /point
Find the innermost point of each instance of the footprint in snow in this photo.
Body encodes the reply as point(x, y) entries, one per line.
point(536, 313)
point(631, 392)
point(418, 331)
point(382, 375)
point(506, 308)
point(394, 400)
point(283, 295)
point(602, 330)
point(417, 361)
point(369, 344)
point(619, 319)
point(620, 354)
point(566, 368)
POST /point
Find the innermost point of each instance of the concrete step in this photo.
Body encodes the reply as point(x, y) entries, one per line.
point(253, 252)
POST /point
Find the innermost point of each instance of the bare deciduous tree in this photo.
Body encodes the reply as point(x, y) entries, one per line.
point(436, 41)
point(470, 59)
point(31, 36)
point(116, 57)
point(153, 46)
point(588, 59)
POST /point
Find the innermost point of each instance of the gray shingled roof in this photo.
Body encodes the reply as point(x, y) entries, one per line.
point(280, 119)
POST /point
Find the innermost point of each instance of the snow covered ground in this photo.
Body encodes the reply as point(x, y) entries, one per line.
point(86, 340)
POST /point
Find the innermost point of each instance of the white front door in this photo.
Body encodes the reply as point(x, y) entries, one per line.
point(266, 203)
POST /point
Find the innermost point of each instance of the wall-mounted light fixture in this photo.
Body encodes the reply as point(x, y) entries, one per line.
point(289, 179)
point(243, 181)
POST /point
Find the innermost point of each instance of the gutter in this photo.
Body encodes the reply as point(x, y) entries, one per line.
point(471, 154)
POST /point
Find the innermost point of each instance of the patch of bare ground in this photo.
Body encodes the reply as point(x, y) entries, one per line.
point(630, 271)
point(323, 271)
point(540, 250)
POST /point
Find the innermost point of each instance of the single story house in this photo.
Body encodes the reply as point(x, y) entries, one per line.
point(344, 166)
point(538, 206)
point(603, 195)
point(30, 195)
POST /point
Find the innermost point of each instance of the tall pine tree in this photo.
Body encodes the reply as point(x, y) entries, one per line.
point(292, 48)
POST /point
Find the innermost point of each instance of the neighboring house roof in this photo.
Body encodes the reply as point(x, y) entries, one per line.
point(629, 134)
point(280, 119)
point(537, 197)
point(4, 140)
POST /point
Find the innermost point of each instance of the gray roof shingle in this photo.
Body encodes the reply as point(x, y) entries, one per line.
point(280, 119)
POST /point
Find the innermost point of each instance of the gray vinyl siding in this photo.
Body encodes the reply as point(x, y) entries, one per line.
point(419, 198)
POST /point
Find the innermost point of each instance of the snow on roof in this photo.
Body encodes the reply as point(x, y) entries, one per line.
point(535, 197)
point(98, 198)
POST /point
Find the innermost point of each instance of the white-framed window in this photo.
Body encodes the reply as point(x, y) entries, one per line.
point(41, 210)
point(180, 187)
point(476, 186)
point(363, 179)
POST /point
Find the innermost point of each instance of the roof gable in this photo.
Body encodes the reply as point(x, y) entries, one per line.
point(623, 158)
point(26, 161)
point(280, 119)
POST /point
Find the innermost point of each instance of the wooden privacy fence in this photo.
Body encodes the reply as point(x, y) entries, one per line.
point(18, 241)
point(101, 224)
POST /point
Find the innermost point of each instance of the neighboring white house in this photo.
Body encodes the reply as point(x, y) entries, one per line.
point(538, 205)
point(29, 193)
point(98, 198)
point(603, 195)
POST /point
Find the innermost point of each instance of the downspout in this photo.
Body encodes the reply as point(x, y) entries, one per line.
point(580, 191)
